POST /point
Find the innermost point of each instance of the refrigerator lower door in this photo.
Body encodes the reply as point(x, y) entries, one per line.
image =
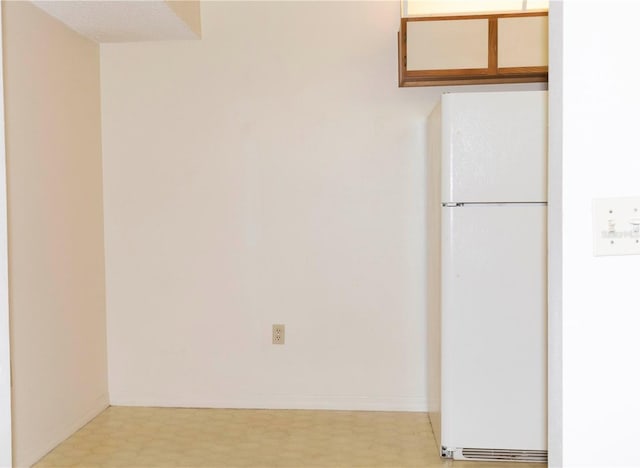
point(494, 328)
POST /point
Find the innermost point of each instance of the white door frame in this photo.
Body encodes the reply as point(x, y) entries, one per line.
point(554, 324)
point(5, 361)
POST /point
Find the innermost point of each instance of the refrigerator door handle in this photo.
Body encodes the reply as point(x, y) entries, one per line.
point(462, 204)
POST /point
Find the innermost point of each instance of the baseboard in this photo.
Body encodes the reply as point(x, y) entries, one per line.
point(316, 402)
point(34, 455)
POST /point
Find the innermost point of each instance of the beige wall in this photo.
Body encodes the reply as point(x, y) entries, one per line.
point(56, 262)
point(271, 173)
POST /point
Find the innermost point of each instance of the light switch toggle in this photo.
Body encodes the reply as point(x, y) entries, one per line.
point(612, 225)
point(635, 226)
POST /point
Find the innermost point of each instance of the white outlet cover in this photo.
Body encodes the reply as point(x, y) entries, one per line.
point(616, 226)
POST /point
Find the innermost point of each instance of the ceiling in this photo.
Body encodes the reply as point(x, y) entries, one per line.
point(120, 21)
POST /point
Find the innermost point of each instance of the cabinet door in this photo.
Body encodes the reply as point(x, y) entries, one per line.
point(523, 42)
point(442, 45)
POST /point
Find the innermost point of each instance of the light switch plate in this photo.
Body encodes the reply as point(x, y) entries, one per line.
point(616, 226)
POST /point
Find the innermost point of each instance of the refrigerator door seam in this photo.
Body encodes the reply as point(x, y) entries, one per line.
point(463, 204)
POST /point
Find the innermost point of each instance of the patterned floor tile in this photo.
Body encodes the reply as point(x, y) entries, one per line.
point(128, 437)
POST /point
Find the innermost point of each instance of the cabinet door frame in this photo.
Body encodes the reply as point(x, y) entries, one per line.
point(491, 74)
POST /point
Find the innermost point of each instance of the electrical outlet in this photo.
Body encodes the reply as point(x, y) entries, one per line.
point(277, 336)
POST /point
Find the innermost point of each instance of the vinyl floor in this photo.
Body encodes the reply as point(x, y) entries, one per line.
point(176, 437)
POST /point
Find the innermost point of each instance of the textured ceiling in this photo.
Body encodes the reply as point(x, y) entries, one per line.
point(119, 21)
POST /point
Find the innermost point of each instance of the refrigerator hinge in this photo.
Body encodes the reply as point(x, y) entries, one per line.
point(446, 452)
point(452, 205)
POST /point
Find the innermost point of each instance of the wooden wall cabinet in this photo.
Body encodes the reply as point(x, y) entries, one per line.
point(473, 49)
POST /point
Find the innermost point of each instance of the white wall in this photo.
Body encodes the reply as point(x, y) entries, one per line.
point(271, 173)
point(56, 249)
point(599, 302)
point(5, 361)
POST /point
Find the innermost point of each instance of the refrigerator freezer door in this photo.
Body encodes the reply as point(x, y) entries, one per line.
point(494, 327)
point(494, 147)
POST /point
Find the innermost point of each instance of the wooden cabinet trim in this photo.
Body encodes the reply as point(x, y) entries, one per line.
point(493, 46)
point(505, 71)
point(506, 14)
point(458, 72)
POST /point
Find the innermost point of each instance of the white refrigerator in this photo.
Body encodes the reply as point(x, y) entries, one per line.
point(487, 275)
